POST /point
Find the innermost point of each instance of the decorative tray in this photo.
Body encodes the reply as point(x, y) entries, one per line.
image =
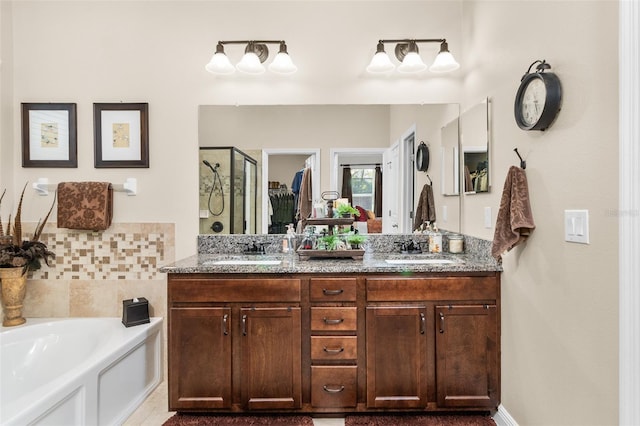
point(328, 254)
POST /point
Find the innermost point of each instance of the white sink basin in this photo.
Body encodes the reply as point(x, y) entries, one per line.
point(420, 261)
point(246, 262)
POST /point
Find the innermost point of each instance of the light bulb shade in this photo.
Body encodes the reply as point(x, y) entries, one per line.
point(250, 64)
point(444, 62)
point(220, 64)
point(282, 64)
point(412, 63)
point(380, 63)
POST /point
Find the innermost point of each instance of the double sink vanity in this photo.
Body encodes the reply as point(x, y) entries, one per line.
point(390, 332)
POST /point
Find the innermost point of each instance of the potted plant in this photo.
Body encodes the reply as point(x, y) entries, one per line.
point(345, 210)
point(330, 241)
point(355, 240)
point(17, 257)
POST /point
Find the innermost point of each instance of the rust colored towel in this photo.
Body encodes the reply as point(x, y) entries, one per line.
point(515, 221)
point(85, 205)
point(426, 210)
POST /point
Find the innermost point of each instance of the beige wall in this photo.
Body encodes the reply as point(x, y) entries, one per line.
point(560, 300)
point(559, 329)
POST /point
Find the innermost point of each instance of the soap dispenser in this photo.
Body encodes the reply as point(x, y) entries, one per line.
point(435, 240)
point(290, 245)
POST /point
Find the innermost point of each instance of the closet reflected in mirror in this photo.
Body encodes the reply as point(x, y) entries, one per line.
point(474, 140)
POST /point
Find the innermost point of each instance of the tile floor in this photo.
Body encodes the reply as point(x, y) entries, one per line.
point(153, 411)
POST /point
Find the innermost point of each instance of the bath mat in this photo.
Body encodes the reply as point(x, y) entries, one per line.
point(420, 420)
point(180, 419)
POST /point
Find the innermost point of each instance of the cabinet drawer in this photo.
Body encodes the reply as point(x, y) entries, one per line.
point(333, 289)
point(334, 387)
point(334, 319)
point(330, 348)
point(234, 290)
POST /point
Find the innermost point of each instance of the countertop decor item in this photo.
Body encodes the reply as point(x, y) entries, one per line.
point(17, 257)
point(538, 98)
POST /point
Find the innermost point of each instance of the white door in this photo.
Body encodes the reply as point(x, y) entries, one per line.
point(390, 192)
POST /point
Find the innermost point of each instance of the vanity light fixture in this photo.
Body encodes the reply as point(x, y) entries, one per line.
point(255, 54)
point(407, 52)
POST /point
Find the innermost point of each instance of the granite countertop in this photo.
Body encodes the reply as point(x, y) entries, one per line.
point(290, 264)
point(224, 254)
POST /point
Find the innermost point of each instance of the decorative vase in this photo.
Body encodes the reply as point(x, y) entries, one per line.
point(14, 288)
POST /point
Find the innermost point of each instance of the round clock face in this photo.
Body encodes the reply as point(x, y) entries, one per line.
point(537, 101)
point(533, 101)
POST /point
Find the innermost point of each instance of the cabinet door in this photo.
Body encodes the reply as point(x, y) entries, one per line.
point(200, 358)
point(396, 357)
point(467, 358)
point(271, 358)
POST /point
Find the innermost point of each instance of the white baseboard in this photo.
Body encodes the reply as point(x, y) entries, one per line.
point(503, 418)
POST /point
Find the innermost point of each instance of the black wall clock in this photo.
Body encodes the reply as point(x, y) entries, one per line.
point(422, 157)
point(538, 99)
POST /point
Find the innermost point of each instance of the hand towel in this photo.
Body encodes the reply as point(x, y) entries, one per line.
point(85, 205)
point(515, 221)
point(426, 210)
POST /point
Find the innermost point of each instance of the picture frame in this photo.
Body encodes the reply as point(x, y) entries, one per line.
point(49, 135)
point(121, 135)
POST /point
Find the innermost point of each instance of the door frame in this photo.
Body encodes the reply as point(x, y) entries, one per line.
point(314, 153)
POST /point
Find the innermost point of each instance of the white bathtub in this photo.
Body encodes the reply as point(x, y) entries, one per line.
point(77, 371)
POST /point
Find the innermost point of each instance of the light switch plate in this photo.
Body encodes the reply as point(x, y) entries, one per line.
point(576, 226)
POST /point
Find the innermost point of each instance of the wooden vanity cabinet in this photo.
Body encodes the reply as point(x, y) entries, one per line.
point(441, 342)
point(234, 344)
point(334, 344)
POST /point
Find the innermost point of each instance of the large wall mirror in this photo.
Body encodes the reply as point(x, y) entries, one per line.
point(286, 139)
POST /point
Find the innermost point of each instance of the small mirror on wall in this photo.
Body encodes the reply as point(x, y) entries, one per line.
point(474, 140)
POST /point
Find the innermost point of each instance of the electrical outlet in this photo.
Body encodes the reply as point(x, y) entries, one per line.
point(487, 218)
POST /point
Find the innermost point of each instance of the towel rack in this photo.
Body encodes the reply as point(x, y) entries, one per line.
point(42, 186)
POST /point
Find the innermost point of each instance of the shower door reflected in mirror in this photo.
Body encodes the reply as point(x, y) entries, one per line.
point(228, 197)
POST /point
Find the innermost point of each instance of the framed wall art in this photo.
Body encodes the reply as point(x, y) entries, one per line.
point(121, 135)
point(49, 135)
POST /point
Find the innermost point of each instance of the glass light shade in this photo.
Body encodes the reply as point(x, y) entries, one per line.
point(220, 64)
point(412, 62)
point(444, 62)
point(250, 64)
point(282, 64)
point(380, 63)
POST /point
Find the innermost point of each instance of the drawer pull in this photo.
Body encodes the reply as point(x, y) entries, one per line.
point(225, 329)
point(441, 322)
point(332, 321)
point(332, 390)
point(423, 320)
point(332, 351)
point(328, 292)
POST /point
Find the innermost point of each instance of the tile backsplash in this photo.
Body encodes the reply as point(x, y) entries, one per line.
point(94, 271)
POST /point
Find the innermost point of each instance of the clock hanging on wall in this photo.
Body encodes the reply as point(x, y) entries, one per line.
point(538, 99)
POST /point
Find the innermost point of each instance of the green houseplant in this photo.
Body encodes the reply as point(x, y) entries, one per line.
point(355, 240)
point(346, 210)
